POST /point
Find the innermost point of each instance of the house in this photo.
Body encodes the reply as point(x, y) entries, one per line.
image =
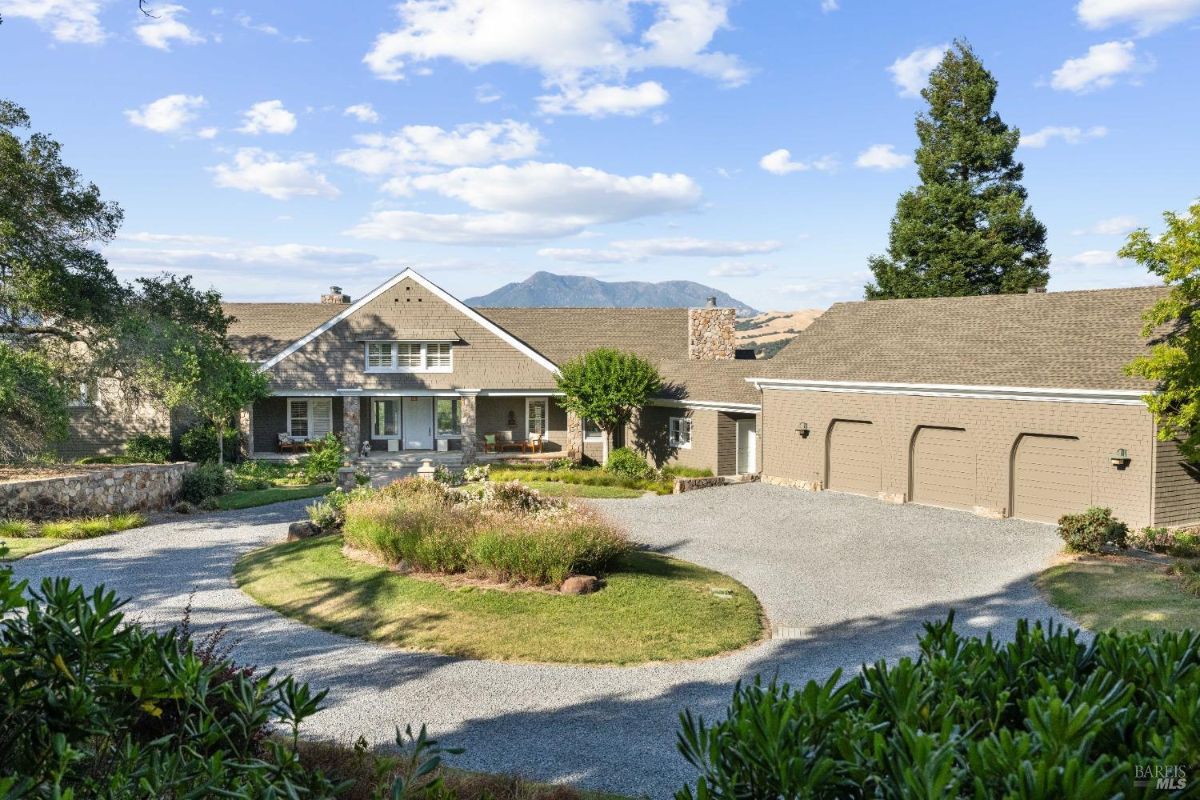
point(1009, 405)
point(410, 368)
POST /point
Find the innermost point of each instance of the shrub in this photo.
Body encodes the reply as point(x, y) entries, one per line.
point(563, 463)
point(968, 718)
point(323, 515)
point(184, 507)
point(91, 527)
point(199, 444)
point(1156, 540)
point(1092, 531)
point(507, 532)
point(1186, 545)
point(206, 480)
point(149, 448)
point(446, 476)
point(324, 459)
point(126, 459)
point(210, 504)
point(1188, 573)
point(473, 473)
point(628, 462)
point(94, 706)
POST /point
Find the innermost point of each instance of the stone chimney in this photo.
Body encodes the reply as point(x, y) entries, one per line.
point(1036, 290)
point(335, 296)
point(711, 334)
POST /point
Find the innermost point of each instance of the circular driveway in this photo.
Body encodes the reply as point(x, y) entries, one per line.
point(843, 580)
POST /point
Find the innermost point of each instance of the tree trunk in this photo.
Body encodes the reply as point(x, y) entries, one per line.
point(221, 444)
point(607, 447)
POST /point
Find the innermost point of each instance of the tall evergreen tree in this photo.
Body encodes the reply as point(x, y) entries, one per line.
point(966, 229)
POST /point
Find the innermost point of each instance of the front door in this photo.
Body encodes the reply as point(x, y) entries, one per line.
point(418, 423)
point(747, 446)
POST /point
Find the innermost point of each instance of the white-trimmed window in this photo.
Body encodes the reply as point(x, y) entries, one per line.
point(310, 418)
point(680, 432)
point(409, 357)
point(446, 412)
point(591, 430)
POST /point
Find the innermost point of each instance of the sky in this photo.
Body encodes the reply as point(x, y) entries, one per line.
point(272, 149)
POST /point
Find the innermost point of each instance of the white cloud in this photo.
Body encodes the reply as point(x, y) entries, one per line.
point(423, 148)
point(1094, 258)
point(911, 72)
point(173, 238)
point(207, 133)
point(779, 162)
point(247, 22)
point(1096, 70)
point(486, 93)
point(363, 112)
point(229, 252)
point(632, 250)
point(572, 43)
point(1113, 226)
point(74, 21)
point(269, 116)
point(255, 170)
point(829, 5)
point(738, 269)
point(532, 201)
point(882, 157)
point(1069, 135)
point(848, 286)
point(170, 114)
point(1147, 16)
point(602, 100)
point(165, 27)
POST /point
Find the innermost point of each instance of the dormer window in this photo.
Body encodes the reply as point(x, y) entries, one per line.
point(409, 357)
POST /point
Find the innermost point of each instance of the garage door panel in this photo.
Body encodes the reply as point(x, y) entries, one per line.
point(943, 468)
point(1050, 478)
point(855, 461)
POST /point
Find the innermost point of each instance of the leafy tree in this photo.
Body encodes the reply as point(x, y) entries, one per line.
point(966, 229)
point(225, 383)
point(1171, 324)
point(33, 405)
point(607, 386)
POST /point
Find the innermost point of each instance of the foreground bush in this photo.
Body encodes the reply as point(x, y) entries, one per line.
point(1045, 716)
point(206, 480)
point(324, 458)
point(506, 532)
point(1092, 531)
point(628, 462)
point(199, 444)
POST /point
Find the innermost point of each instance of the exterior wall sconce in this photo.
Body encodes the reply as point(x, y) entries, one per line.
point(803, 430)
point(1120, 458)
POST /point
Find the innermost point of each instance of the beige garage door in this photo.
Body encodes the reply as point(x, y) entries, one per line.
point(943, 468)
point(1050, 478)
point(854, 458)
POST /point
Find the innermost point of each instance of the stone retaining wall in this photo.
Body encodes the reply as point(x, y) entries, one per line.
point(140, 487)
point(691, 484)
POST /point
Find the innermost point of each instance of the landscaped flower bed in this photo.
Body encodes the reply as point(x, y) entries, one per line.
point(502, 532)
point(657, 481)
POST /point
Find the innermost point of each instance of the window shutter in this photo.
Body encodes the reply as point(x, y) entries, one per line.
point(322, 417)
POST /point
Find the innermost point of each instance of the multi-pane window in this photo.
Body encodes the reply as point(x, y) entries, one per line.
point(447, 416)
point(310, 418)
point(680, 432)
point(591, 430)
point(409, 357)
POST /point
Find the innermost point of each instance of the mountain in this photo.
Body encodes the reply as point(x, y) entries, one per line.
point(546, 290)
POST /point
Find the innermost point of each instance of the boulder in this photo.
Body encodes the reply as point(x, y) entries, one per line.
point(302, 530)
point(580, 584)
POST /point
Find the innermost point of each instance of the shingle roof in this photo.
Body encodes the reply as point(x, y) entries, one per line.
point(1069, 340)
point(261, 330)
point(659, 335)
point(560, 334)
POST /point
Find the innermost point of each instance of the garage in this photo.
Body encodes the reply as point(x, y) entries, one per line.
point(943, 468)
point(855, 458)
point(1050, 477)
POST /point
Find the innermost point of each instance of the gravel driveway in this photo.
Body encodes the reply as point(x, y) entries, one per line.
point(843, 580)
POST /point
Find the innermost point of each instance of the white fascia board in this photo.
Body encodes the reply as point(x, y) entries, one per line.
point(365, 393)
point(438, 291)
point(708, 405)
point(519, 393)
point(1126, 397)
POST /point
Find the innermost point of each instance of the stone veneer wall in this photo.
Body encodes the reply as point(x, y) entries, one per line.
point(141, 487)
point(711, 334)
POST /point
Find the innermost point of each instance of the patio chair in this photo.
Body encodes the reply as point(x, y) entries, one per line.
point(489, 443)
point(291, 444)
point(534, 445)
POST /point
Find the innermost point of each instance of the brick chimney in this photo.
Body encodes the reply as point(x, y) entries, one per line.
point(711, 334)
point(335, 296)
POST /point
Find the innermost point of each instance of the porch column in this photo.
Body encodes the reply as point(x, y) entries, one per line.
point(466, 423)
point(351, 427)
point(246, 432)
point(574, 436)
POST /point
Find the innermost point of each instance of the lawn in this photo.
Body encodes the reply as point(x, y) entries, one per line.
point(555, 489)
point(654, 608)
point(249, 498)
point(536, 474)
point(1102, 592)
point(19, 548)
